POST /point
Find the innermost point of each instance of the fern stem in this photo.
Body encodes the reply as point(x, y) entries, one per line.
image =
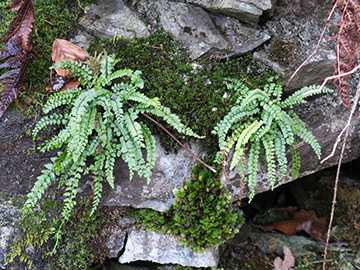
point(175, 139)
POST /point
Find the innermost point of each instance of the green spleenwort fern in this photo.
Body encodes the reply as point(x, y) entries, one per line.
point(100, 120)
point(261, 120)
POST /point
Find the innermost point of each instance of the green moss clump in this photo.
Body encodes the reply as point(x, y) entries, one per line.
point(202, 215)
point(6, 17)
point(194, 90)
point(282, 51)
point(78, 246)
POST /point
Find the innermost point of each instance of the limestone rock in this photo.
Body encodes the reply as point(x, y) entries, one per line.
point(142, 245)
point(169, 173)
point(248, 11)
point(110, 18)
point(192, 26)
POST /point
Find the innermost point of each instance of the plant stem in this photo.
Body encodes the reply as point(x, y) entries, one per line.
point(175, 139)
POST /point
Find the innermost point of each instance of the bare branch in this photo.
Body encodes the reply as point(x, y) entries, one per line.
point(346, 129)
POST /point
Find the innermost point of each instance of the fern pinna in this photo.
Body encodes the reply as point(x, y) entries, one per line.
point(101, 121)
point(260, 119)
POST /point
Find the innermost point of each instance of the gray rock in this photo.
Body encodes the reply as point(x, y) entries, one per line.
point(8, 216)
point(115, 243)
point(169, 173)
point(142, 245)
point(192, 26)
point(248, 11)
point(242, 38)
point(110, 18)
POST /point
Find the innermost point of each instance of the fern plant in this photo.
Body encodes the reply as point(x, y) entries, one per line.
point(261, 122)
point(99, 120)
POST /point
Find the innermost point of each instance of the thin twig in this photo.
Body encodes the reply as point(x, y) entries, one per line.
point(331, 78)
point(316, 48)
point(175, 139)
point(356, 100)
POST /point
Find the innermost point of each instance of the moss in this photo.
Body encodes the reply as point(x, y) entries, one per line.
point(78, 247)
point(282, 51)
point(202, 215)
point(6, 16)
point(194, 90)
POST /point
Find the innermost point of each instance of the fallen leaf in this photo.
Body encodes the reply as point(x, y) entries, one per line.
point(65, 50)
point(287, 263)
point(303, 220)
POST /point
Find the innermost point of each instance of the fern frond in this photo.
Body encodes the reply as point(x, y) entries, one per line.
point(280, 151)
point(254, 95)
point(254, 154)
point(300, 130)
point(60, 99)
point(296, 162)
point(270, 158)
point(79, 69)
point(98, 188)
point(300, 95)
point(150, 148)
point(53, 119)
point(42, 183)
point(242, 140)
point(236, 114)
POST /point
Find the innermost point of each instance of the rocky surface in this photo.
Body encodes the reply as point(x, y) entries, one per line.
point(248, 11)
point(142, 245)
point(113, 18)
point(9, 215)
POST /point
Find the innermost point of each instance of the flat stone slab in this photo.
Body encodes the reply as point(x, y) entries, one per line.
point(142, 245)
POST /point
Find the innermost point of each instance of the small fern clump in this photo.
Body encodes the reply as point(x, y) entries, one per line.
point(261, 122)
point(100, 120)
point(202, 215)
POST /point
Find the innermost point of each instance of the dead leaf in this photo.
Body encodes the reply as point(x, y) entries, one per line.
point(287, 263)
point(65, 50)
point(302, 221)
point(15, 55)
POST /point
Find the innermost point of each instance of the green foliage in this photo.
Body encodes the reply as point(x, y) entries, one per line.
point(202, 215)
point(78, 247)
point(259, 122)
point(194, 90)
point(100, 122)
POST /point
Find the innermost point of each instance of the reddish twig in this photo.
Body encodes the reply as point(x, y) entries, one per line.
point(316, 48)
point(175, 139)
point(346, 129)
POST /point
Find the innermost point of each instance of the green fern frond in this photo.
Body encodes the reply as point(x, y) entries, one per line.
point(61, 98)
point(243, 140)
point(305, 92)
point(254, 155)
point(280, 151)
point(270, 158)
point(79, 69)
point(53, 119)
point(259, 116)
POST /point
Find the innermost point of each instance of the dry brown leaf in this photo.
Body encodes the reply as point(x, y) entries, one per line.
point(287, 263)
point(288, 227)
point(302, 221)
point(65, 50)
